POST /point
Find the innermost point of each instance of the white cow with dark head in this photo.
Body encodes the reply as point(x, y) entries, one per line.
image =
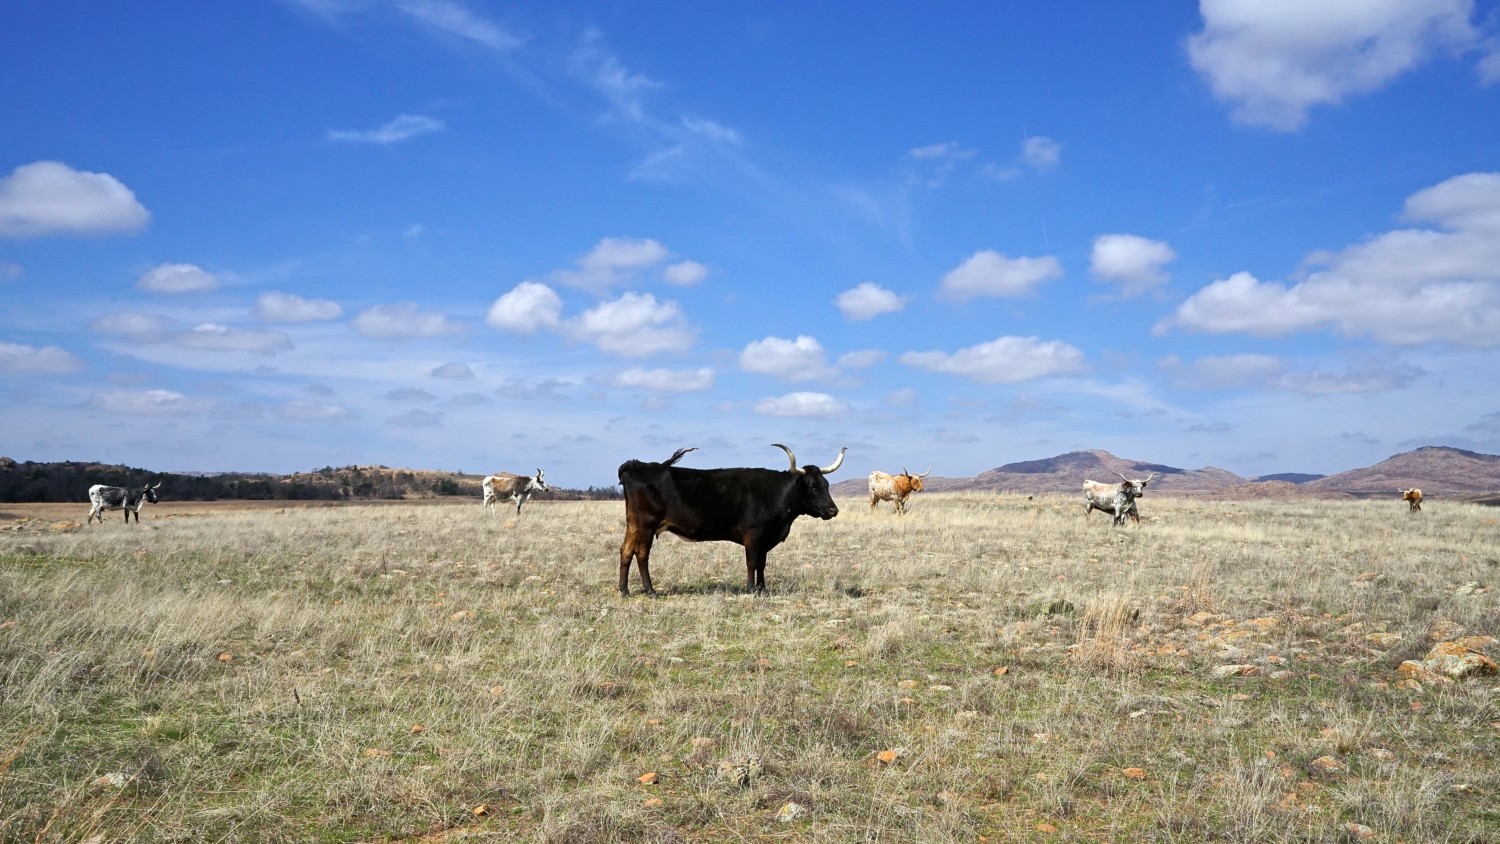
point(1118, 500)
point(517, 488)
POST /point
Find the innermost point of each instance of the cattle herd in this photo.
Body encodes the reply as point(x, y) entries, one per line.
point(753, 508)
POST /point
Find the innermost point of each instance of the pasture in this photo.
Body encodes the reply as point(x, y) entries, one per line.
point(985, 668)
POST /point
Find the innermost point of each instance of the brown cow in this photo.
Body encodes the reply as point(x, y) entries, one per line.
point(1413, 498)
point(895, 488)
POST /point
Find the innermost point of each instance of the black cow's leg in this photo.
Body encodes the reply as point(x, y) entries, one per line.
point(637, 545)
point(755, 569)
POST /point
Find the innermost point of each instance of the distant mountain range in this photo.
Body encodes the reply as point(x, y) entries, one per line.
point(1437, 470)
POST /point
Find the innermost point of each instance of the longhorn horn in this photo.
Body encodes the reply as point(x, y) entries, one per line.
point(926, 473)
point(1123, 478)
point(792, 457)
point(1148, 479)
point(837, 463)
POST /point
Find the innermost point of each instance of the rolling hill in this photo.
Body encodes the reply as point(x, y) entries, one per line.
point(1438, 470)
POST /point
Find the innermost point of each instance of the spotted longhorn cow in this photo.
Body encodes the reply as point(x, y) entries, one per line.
point(124, 498)
point(518, 488)
point(895, 488)
point(1118, 500)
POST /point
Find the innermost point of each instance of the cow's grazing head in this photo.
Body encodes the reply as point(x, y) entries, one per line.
point(812, 496)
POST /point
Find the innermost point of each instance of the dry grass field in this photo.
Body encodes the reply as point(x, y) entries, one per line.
point(983, 669)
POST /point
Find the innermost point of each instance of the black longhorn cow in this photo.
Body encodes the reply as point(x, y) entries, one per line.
point(752, 507)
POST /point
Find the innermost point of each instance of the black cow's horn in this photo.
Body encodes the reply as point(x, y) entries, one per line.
point(837, 463)
point(792, 457)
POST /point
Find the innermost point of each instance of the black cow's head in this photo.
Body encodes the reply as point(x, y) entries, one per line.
point(151, 493)
point(812, 497)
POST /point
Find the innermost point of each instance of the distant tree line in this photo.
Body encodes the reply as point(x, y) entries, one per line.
point(70, 481)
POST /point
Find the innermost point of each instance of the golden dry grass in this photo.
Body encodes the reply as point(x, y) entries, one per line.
point(983, 666)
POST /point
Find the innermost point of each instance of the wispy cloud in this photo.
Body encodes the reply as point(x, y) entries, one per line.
point(458, 19)
point(403, 128)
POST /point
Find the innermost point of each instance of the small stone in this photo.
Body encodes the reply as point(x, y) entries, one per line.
point(1358, 831)
point(887, 756)
point(417, 728)
point(1457, 661)
point(1326, 766)
point(481, 810)
point(653, 802)
point(1225, 671)
point(789, 812)
point(1134, 773)
point(648, 778)
point(114, 779)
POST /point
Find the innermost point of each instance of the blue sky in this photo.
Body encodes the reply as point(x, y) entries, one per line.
point(274, 236)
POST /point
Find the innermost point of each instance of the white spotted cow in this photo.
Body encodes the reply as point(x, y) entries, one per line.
point(124, 498)
point(1118, 500)
point(517, 488)
point(895, 488)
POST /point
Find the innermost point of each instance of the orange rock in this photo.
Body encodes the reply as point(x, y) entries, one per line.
point(887, 756)
point(1045, 827)
point(1134, 773)
point(417, 728)
point(481, 810)
point(1002, 671)
point(653, 802)
point(226, 657)
point(648, 778)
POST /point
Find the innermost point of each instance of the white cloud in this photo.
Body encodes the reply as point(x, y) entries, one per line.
point(1041, 153)
point(1403, 287)
point(528, 306)
point(21, 359)
point(144, 328)
point(801, 359)
point(456, 19)
point(685, 272)
point(403, 128)
point(868, 300)
point(311, 411)
point(990, 273)
point(611, 261)
point(945, 151)
point(146, 403)
point(177, 278)
point(416, 418)
point(861, 359)
point(634, 325)
point(211, 337)
point(667, 380)
point(1133, 261)
point(410, 394)
point(401, 322)
point(1272, 60)
point(1223, 371)
point(453, 372)
point(289, 307)
point(1004, 360)
point(48, 197)
point(1370, 378)
point(814, 405)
